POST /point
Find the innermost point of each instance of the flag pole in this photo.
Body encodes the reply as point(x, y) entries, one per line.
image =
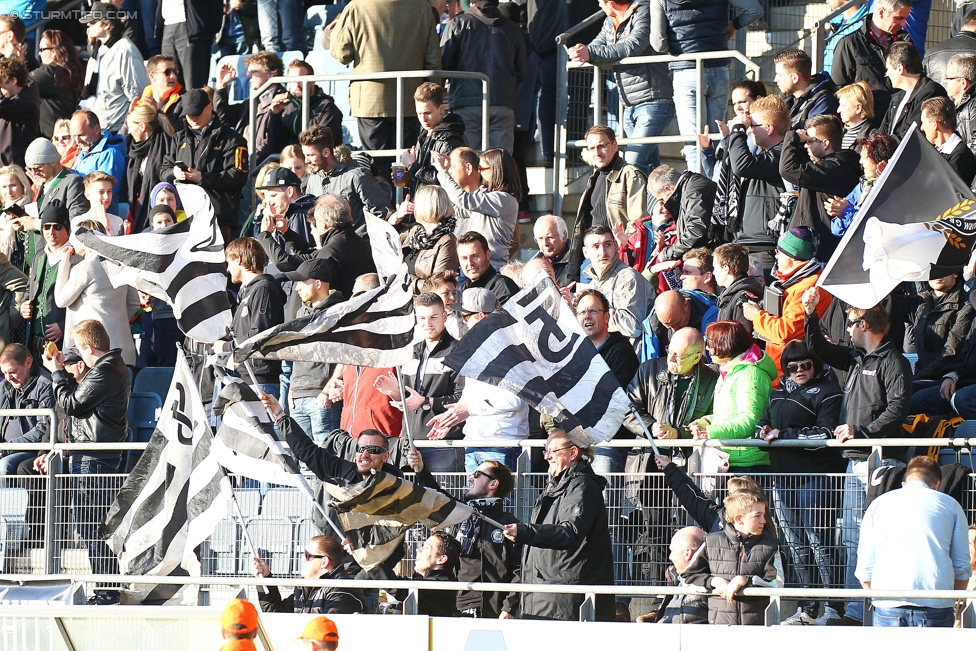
point(247, 536)
point(644, 427)
point(485, 518)
point(403, 401)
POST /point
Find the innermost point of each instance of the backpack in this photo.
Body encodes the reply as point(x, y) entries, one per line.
point(920, 426)
point(650, 344)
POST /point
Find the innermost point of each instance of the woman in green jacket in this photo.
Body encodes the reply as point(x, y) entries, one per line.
point(741, 395)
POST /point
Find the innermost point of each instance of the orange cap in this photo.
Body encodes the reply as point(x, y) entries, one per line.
point(320, 629)
point(239, 617)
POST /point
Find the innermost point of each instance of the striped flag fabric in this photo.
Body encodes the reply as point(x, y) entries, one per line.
point(173, 498)
point(534, 347)
point(373, 329)
point(377, 513)
point(183, 265)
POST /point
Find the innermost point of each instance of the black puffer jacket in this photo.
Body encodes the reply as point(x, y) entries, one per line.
point(727, 554)
point(761, 187)
point(833, 175)
point(444, 138)
point(878, 390)
point(691, 205)
point(941, 325)
point(37, 394)
point(896, 123)
point(966, 120)
point(728, 302)
point(937, 57)
point(809, 413)
point(818, 99)
point(323, 601)
point(653, 394)
point(97, 404)
point(638, 84)
point(482, 40)
point(567, 542)
point(697, 26)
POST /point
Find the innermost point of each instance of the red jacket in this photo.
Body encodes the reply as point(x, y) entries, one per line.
point(363, 407)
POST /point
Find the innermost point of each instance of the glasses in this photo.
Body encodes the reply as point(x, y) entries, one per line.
point(793, 367)
point(309, 555)
point(483, 168)
point(167, 71)
point(548, 452)
point(467, 315)
point(52, 227)
point(482, 473)
point(851, 324)
point(62, 138)
point(372, 449)
point(36, 169)
point(945, 78)
point(673, 357)
point(45, 49)
point(589, 312)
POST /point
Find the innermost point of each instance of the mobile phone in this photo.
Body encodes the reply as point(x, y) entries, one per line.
point(182, 167)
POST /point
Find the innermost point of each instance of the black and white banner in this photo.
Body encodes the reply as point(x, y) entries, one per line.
point(173, 498)
point(183, 265)
point(534, 347)
point(374, 329)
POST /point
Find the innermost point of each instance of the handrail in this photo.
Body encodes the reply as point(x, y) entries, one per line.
point(817, 39)
point(596, 17)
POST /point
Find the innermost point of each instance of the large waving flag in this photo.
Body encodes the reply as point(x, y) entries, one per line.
point(372, 329)
point(919, 222)
point(173, 498)
point(534, 347)
point(183, 265)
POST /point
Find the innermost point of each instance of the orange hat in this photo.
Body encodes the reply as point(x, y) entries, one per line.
point(239, 645)
point(320, 629)
point(239, 617)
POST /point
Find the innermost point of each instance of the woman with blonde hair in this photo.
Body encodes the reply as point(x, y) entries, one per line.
point(15, 193)
point(430, 247)
point(856, 109)
point(149, 140)
point(64, 143)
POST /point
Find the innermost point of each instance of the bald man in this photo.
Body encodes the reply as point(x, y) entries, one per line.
point(685, 608)
point(670, 392)
point(674, 310)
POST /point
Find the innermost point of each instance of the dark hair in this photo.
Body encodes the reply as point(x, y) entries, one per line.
point(328, 547)
point(65, 54)
point(600, 230)
point(13, 68)
point(376, 432)
point(601, 130)
point(727, 339)
point(595, 293)
point(16, 353)
point(504, 172)
point(249, 253)
point(15, 24)
point(797, 351)
point(925, 468)
point(734, 256)
point(796, 61)
point(472, 237)
point(942, 110)
point(904, 54)
point(317, 136)
point(448, 545)
point(880, 147)
point(428, 299)
point(270, 61)
point(829, 127)
point(755, 89)
point(506, 481)
point(429, 92)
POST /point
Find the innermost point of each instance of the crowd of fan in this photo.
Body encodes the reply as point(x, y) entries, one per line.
point(697, 289)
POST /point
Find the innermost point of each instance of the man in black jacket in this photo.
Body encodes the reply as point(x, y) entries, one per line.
point(941, 316)
point(24, 387)
point(815, 161)
point(689, 198)
point(442, 132)
point(876, 402)
point(860, 56)
point(911, 86)
point(20, 107)
point(568, 539)
point(475, 257)
point(97, 407)
point(939, 126)
point(211, 155)
point(960, 84)
point(730, 264)
point(437, 560)
point(804, 93)
point(323, 556)
point(938, 56)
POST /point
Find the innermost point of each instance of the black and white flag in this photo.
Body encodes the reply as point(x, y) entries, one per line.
point(183, 265)
point(173, 498)
point(373, 329)
point(918, 223)
point(534, 347)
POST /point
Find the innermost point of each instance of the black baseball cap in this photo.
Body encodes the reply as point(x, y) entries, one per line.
point(195, 101)
point(314, 269)
point(280, 178)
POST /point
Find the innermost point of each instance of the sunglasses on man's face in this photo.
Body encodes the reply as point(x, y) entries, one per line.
point(793, 367)
point(309, 555)
point(372, 449)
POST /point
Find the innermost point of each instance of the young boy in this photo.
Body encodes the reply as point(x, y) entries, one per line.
point(742, 555)
point(443, 133)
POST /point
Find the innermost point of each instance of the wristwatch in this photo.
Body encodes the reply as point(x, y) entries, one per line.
point(426, 405)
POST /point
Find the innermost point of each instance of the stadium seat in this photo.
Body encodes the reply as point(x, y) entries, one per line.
point(304, 532)
point(13, 525)
point(272, 537)
point(154, 379)
point(291, 55)
point(223, 545)
point(238, 89)
point(249, 500)
point(286, 503)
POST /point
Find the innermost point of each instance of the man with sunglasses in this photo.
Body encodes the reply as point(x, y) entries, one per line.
point(164, 89)
point(323, 559)
point(53, 181)
point(45, 320)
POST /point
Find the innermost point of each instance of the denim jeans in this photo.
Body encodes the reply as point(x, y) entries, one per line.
point(930, 401)
point(91, 498)
point(606, 461)
point(316, 422)
point(443, 459)
point(10, 461)
point(715, 82)
point(474, 457)
point(913, 616)
point(644, 120)
point(281, 24)
point(501, 126)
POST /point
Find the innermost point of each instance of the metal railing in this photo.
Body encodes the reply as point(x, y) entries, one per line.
point(818, 35)
point(560, 168)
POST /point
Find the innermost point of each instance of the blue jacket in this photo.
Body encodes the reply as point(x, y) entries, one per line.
point(108, 155)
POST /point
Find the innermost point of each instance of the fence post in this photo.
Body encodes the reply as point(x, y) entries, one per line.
point(50, 508)
point(561, 135)
point(523, 466)
point(588, 608)
point(410, 603)
point(773, 611)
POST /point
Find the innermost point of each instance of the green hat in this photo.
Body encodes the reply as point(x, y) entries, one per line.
point(799, 243)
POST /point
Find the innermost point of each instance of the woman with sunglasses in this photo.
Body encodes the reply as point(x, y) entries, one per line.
point(64, 143)
point(806, 406)
point(59, 79)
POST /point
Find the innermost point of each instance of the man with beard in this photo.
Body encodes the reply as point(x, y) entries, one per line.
point(486, 555)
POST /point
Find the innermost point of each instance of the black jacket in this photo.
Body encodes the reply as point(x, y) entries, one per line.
point(270, 136)
point(37, 394)
point(859, 57)
point(438, 381)
point(437, 603)
point(261, 305)
point(653, 393)
point(308, 378)
point(482, 40)
point(58, 98)
point(963, 161)
point(833, 324)
point(691, 205)
point(323, 601)
point(444, 138)
point(834, 175)
point(937, 57)
point(966, 119)
point(818, 100)
point(221, 156)
point(760, 190)
point(702, 508)
point(809, 413)
point(139, 179)
point(349, 254)
point(501, 286)
point(19, 124)
point(940, 329)
point(203, 18)
point(727, 554)
point(895, 123)
point(878, 390)
point(97, 404)
point(568, 542)
point(322, 112)
point(729, 301)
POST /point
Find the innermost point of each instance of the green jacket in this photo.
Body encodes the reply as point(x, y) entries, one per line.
point(741, 397)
